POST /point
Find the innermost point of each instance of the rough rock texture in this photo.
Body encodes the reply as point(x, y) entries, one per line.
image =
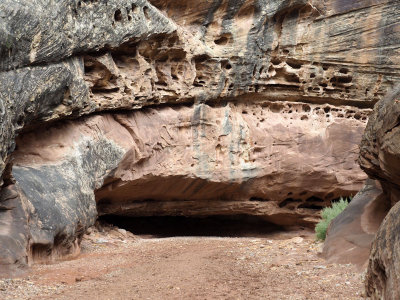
point(351, 234)
point(53, 191)
point(383, 276)
point(319, 51)
point(380, 151)
point(380, 157)
point(290, 50)
point(14, 231)
point(290, 83)
point(41, 32)
point(281, 161)
point(31, 94)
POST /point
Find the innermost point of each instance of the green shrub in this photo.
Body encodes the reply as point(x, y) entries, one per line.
point(328, 214)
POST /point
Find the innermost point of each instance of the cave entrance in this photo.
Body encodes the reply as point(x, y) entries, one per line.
point(179, 226)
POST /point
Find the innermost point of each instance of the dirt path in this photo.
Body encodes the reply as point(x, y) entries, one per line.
point(115, 265)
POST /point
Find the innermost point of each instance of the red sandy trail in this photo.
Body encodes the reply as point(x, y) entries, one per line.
point(117, 265)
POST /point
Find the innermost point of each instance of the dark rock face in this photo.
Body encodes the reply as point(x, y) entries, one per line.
point(62, 194)
point(31, 94)
point(54, 202)
point(47, 33)
point(262, 91)
point(43, 31)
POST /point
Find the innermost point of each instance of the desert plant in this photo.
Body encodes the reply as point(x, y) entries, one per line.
point(328, 214)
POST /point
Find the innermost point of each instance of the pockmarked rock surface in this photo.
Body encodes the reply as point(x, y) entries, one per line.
point(40, 80)
point(43, 31)
point(256, 107)
point(237, 159)
point(136, 55)
point(351, 234)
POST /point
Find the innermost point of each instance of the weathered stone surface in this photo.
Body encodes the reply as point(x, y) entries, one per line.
point(380, 151)
point(351, 234)
point(54, 201)
point(291, 50)
point(14, 232)
point(257, 50)
point(278, 160)
point(380, 157)
point(266, 101)
point(383, 276)
point(319, 51)
point(31, 94)
point(43, 31)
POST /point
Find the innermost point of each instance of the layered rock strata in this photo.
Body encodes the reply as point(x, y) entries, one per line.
point(38, 39)
point(280, 161)
point(256, 107)
point(291, 50)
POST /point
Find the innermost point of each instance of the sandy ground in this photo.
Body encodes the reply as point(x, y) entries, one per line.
point(115, 264)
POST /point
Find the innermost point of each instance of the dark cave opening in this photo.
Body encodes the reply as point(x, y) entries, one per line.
point(181, 226)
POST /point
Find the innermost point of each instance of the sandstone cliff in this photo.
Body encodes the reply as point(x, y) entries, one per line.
point(182, 108)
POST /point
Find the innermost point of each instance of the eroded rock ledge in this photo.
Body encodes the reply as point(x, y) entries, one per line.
point(126, 55)
point(279, 160)
point(253, 107)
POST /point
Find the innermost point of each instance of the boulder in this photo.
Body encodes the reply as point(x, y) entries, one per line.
point(379, 157)
point(383, 275)
point(379, 150)
point(351, 233)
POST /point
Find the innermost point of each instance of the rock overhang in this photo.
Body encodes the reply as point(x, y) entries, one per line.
point(298, 62)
